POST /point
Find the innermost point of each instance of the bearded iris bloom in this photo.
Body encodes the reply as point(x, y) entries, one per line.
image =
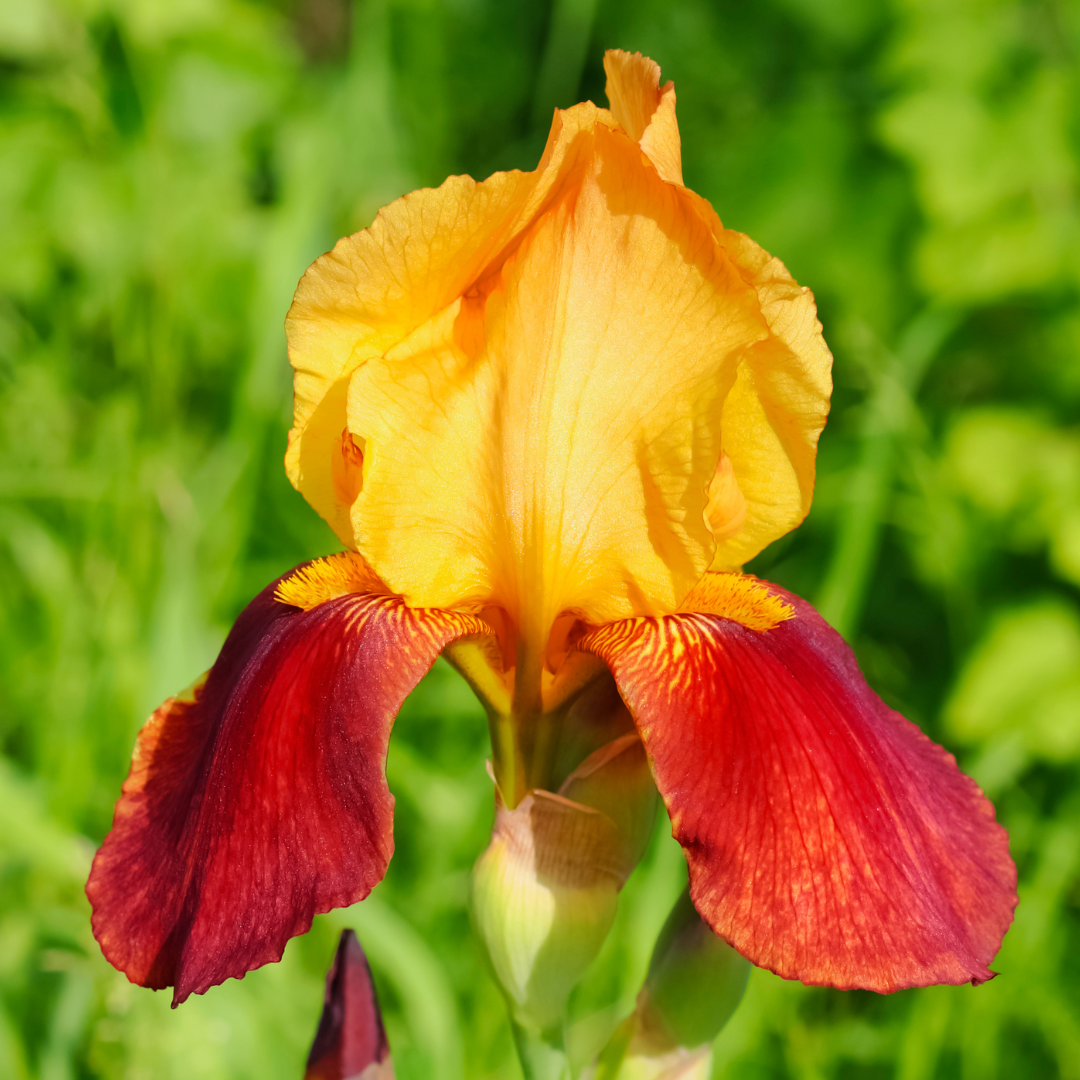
point(550, 416)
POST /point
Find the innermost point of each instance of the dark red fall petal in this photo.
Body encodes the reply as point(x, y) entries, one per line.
point(261, 799)
point(350, 1038)
point(828, 839)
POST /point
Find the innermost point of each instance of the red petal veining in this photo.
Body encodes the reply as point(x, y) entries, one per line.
point(262, 801)
point(828, 839)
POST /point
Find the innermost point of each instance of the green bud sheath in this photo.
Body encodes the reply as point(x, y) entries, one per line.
point(546, 889)
point(695, 983)
point(544, 897)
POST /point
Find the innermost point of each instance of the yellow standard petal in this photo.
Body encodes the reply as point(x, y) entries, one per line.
point(776, 409)
point(378, 286)
point(567, 391)
point(546, 444)
point(645, 109)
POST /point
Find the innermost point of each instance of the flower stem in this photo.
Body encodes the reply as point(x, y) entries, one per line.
point(540, 1059)
point(508, 760)
point(569, 33)
point(889, 412)
point(526, 714)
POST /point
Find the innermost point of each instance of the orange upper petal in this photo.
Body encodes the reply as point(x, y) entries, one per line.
point(777, 408)
point(520, 391)
point(546, 444)
point(376, 287)
point(645, 110)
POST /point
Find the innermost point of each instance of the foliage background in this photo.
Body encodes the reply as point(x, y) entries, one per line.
point(167, 170)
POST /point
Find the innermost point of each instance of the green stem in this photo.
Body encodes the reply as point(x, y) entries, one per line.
point(610, 1059)
point(540, 1059)
point(479, 663)
point(527, 715)
point(843, 594)
point(508, 761)
point(564, 58)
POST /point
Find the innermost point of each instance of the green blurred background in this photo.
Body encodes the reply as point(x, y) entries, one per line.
point(167, 170)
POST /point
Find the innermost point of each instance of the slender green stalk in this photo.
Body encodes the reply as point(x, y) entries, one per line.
point(568, 37)
point(507, 759)
point(611, 1058)
point(888, 415)
point(540, 1059)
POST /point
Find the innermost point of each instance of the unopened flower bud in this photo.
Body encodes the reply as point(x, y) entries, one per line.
point(546, 889)
point(695, 983)
point(350, 1043)
point(616, 781)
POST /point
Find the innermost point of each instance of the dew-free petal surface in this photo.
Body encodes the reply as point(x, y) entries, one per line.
point(547, 368)
point(547, 444)
point(260, 799)
point(777, 408)
point(827, 838)
point(374, 288)
point(645, 109)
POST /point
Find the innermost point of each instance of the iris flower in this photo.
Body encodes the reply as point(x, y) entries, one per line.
point(550, 416)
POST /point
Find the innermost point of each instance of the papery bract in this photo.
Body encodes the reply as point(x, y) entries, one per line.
point(546, 889)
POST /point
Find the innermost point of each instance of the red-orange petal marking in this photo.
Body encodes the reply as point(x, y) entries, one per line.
point(828, 839)
point(261, 799)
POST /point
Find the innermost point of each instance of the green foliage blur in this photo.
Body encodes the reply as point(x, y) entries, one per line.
point(168, 168)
